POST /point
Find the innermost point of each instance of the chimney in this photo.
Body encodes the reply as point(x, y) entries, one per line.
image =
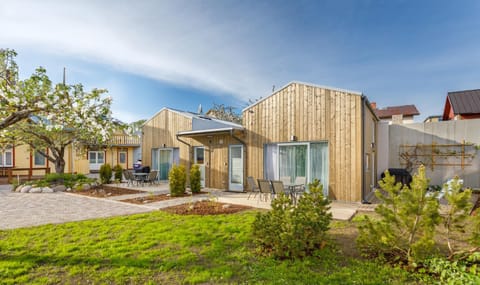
point(374, 105)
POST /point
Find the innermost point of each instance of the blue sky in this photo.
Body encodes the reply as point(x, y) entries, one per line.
point(179, 54)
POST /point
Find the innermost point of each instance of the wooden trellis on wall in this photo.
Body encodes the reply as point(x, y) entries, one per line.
point(433, 155)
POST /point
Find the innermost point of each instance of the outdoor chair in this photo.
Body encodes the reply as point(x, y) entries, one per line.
point(152, 177)
point(252, 187)
point(265, 188)
point(278, 187)
point(299, 185)
point(128, 177)
point(286, 180)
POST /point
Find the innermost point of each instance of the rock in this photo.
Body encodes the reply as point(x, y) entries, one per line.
point(69, 189)
point(59, 188)
point(36, 190)
point(86, 187)
point(226, 206)
point(26, 189)
point(19, 188)
point(47, 190)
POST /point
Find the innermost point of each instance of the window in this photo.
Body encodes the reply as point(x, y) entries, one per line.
point(292, 160)
point(122, 157)
point(39, 159)
point(6, 158)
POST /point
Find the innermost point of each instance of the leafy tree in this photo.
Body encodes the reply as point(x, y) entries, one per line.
point(48, 117)
point(20, 99)
point(226, 113)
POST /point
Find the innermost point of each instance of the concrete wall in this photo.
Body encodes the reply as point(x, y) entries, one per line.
point(436, 143)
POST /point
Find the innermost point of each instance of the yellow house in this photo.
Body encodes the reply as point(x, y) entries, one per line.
point(21, 160)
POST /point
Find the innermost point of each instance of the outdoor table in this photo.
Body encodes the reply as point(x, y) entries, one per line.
point(140, 177)
point(292, 190)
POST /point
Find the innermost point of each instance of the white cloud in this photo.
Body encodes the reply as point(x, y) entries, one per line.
point(172, 41)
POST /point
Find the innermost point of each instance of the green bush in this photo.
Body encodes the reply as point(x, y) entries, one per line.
point(289, 231)
point(118, 172)
point(195, 177)
point(453, 272)
point(408, 218)
point(177, 178)
point(105, 173)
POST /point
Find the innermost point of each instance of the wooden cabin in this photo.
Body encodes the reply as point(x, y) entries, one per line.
point(314, 132)
point(177, 137)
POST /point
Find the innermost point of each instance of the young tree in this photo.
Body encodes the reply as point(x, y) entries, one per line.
point(20, 99)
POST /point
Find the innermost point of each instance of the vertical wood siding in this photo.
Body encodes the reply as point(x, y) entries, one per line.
point(311, 114)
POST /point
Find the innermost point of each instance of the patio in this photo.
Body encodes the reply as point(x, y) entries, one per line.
point(31, 209)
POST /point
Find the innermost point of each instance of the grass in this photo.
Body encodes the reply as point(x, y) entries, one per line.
point(162, 248)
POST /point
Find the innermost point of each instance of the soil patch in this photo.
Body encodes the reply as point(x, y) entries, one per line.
point(205, 208)
point(106, 191)
point(157, 198)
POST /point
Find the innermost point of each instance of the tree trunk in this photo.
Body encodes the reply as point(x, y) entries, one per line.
point(60, 165)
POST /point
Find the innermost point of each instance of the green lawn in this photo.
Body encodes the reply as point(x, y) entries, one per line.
point(162, 248)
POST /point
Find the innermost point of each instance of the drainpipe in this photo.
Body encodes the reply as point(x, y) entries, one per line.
point(189, 150)
point(363, 149)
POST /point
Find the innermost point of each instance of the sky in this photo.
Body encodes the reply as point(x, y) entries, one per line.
point(180, 54)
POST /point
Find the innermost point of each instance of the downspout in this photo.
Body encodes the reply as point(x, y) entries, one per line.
point(189, 149)
point(363, 149)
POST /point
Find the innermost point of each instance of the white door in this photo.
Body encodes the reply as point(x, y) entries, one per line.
point(96, 159)
point(199, 158)
point(235, 173)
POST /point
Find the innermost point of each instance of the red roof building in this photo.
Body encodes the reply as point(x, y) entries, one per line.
point(462, 105)
point(396, 114)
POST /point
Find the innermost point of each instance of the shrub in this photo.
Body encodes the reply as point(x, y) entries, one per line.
point(453, 272)
point(105, 173)
point(177, 178)
point(293, 232)
point(408, 217)
point(118, 172)
point(195, 177)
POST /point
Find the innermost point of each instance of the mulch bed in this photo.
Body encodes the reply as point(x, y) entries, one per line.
point(205, 208)
point(157, 198)
point(106, 191)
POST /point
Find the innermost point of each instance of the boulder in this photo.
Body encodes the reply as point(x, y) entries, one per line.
point(36, 190)
point(47, 190)
point(226, 206)
point(19, 188)
point(85, 187)
point(26, 189)
point(59, 188)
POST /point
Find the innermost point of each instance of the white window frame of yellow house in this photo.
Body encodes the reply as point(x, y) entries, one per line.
point(3, 158)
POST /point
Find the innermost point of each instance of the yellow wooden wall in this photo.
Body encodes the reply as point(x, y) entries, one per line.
point(160, 132)
point(311, 113)
point(80, 160)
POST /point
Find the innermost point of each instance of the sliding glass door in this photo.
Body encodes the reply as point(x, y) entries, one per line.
point(162, 160)
point(293, 161)
point(287, 161)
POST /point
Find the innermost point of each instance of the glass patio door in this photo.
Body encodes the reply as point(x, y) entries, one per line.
point(199, 158)
point(162, 160)
point(293, 161)
point(235, 173)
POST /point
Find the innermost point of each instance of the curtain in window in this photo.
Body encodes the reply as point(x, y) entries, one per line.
point(292, 160)
point(319, 164)
point(270, 162)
